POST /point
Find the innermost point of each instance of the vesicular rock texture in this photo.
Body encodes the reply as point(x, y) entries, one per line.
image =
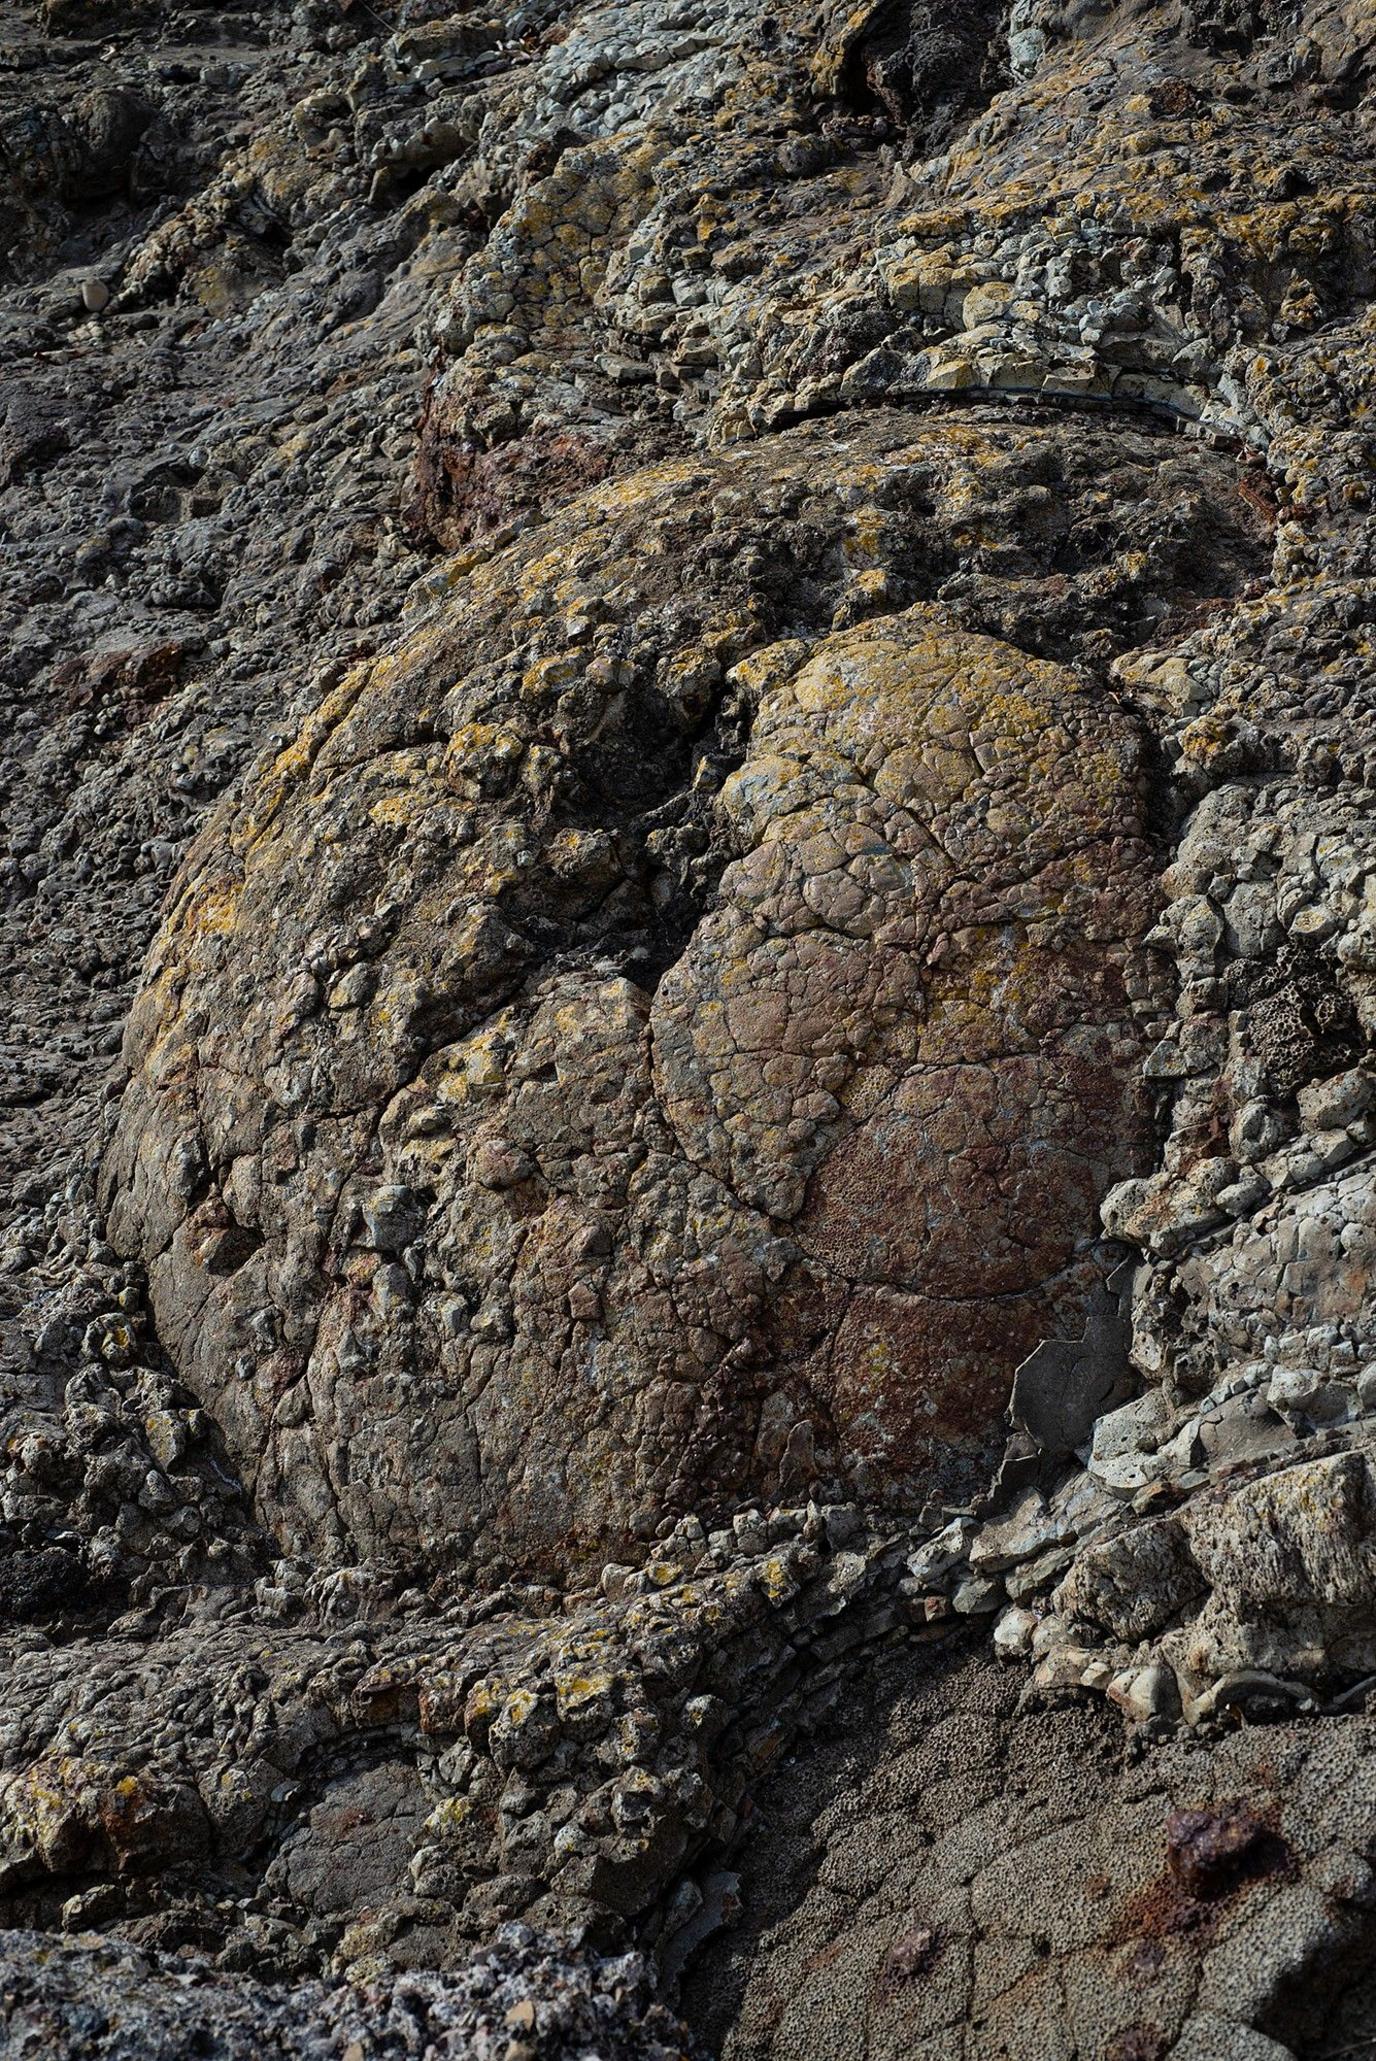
point(692, 683)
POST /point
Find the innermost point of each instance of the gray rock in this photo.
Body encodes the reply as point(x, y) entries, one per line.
point(92, 1997)
point(1061, 1389)
point(676, 708)
point(1209, 2038)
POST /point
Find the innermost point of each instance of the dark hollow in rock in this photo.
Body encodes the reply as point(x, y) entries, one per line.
point(1211, 1853)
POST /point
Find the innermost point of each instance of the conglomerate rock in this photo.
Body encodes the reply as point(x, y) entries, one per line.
point(694, 682)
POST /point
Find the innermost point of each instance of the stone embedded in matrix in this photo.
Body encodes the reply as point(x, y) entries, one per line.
point(711, 1099)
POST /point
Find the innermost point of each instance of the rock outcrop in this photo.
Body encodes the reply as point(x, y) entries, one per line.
point(691, 967)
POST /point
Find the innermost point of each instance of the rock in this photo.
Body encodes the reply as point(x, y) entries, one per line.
point(1013, 1633)
point(1063, 1668)
point(90, 1996)
point(1028, 1529)
point(1251, 1693)
point(1134, 1429)
point(1287, 1558)
point(688, 690)
point(656, 1111)
point(932, 1562)
point(1134, 1582)
point(1146, 1693)
point(1062, 1389)
point(1247, 1427)
point(1210, 1852)
point(1337, 1103)
point(1304, 1392)
point(974, 1596)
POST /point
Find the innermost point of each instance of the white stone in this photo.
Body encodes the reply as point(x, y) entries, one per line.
point(1013, 1633)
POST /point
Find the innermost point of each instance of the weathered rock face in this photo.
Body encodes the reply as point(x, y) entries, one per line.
point(113, 2002)
point(1148, 1910)
point(731, 643)
point(467, 1227)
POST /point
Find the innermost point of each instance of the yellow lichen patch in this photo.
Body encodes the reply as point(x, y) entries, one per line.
point(210, 912)
point(450, 1818)
point(778, 1578)
point(577, 1694)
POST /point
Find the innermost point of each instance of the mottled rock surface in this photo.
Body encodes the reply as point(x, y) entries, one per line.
point(440, 1198)
point(690, 966)
point(947, 1875)
point(107, 2000)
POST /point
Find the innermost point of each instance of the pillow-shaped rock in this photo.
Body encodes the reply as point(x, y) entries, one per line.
point(639, 1045)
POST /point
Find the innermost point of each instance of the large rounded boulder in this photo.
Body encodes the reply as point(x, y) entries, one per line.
point(659, 1034)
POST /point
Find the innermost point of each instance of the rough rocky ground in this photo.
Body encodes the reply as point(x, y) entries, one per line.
point(98, 1998)
point(688, 944)
point(949, 1874)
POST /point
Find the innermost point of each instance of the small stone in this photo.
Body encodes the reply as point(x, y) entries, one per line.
point(497, 1164)
point(1133, 1473)
point(1294, 1390)
point(1338, 1102)
point(1210, 1852)
point(1254, 1694)
point(1064, 1668)
point(392, 1217)
point(1028, 1529)
point(1244, 1194)
point(1147, 1692)
point(911, 1956)
point(95, 295)
point(975, 1597)
point(1013, 1633)
point(1138, 1427)
point(842, 1522)
point(931, 1563)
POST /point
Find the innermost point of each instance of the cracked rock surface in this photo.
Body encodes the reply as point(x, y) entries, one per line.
point(435, 1197)
point(947, 1874)
point(689, 948)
